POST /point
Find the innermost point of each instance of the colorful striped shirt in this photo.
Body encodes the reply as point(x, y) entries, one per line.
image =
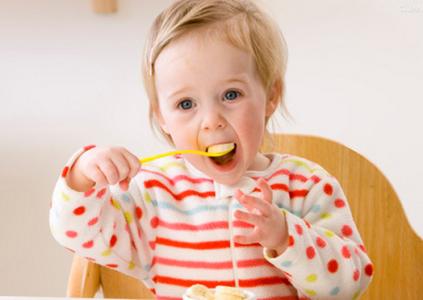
point(174, 227)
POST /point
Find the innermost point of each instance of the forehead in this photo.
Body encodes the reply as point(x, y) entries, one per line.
point(200, 56)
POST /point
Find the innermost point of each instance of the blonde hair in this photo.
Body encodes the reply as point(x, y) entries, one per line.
point(241, 22)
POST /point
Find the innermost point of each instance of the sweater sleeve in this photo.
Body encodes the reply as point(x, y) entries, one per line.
point(325, 257)
point(107, 226)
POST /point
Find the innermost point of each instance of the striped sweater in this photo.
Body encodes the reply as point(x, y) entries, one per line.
point(174, 227)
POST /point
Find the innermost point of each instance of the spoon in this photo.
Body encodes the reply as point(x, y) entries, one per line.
point(212, 151)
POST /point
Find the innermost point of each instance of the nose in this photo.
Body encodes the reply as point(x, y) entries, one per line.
point(213, 119)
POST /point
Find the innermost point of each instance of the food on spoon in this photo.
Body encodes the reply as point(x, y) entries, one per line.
point(219, 148)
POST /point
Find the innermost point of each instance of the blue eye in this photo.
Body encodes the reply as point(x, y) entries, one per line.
point(231, 95)
point(185, 104)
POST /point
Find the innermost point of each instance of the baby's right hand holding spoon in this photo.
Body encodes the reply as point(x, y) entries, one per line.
point(102, 166)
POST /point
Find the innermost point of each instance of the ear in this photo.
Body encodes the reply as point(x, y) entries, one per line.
point(274, 97)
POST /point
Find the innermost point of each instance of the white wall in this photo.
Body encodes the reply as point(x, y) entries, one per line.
point(69, 77)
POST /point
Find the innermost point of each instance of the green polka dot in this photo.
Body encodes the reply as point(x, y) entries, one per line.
point(334, 291)
point(286, 263)
point(325, 215)
point(115, 204)
point(311, 292)
point(356, 295)
point(329, 233)
point(65, 197)
point(128, 217)
point(147, 197)
point(311, 278)
point(106, 252)
point(131, 265)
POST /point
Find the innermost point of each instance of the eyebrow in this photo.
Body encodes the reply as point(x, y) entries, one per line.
point(240, 78)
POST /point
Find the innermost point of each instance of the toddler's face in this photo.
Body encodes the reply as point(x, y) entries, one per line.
point(209, 93)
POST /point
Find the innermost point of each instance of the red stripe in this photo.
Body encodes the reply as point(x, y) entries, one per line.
point(200, 245)
point(180, 196)
point(211, 284)
point(298, 193)
point(204, 226)
point(175, 179)
point(209, 265)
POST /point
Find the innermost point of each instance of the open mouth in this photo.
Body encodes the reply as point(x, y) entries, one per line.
point(224, 159)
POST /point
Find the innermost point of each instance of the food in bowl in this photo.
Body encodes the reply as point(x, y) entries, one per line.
point(201, 292)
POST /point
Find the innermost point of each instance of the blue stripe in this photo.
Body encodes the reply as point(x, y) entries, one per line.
point(196, 210)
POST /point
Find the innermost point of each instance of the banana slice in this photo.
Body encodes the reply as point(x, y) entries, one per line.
point(199, 292)
point(221, 148)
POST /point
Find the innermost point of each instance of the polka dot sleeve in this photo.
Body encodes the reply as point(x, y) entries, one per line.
point(325, 257)
point(107, 226)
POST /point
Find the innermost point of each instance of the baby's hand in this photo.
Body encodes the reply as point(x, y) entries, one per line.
point(270, 228)
point(103, 166)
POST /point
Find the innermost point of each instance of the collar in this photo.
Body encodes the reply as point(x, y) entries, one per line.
point(247, 182)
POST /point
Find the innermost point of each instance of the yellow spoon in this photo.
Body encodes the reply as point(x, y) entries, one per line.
point(212, 151)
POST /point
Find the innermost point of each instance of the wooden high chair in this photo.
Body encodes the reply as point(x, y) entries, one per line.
point(394, 248)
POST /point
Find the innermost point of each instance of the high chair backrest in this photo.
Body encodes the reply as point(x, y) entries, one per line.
point(394, 248)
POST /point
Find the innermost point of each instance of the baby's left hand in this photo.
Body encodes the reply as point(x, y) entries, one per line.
point(270, 228)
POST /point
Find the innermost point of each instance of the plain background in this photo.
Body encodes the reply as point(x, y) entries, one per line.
point(69, 77)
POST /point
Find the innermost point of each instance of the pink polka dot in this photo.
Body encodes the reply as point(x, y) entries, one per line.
point(320, 242)
point(89, 192)
point(299, 229)
point(101, 193)
point(362, 248)
point(112, 241)
point(88, 147)
point(368, 269)
point(65, 171)
point(71, 233)
point(79, 210)
point(291, 241)
point(339, 203)
point(346, 252)
point(307, 224)
point(346, 230)
point(88, 244)
point(152, 245)
point(356, 275)
point(333, 266)
point(112, 266)
point(154, 222)
point(138, 212)
point(93, 221)
point(310, 252)
point(328, 189)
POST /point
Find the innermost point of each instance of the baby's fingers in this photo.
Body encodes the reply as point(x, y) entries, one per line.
point(251, 238)
point(110, 171)
point(133, 163)
point(96, 175)
point(253, 219)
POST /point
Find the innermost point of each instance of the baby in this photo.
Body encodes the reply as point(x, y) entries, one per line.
point(272, 224)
